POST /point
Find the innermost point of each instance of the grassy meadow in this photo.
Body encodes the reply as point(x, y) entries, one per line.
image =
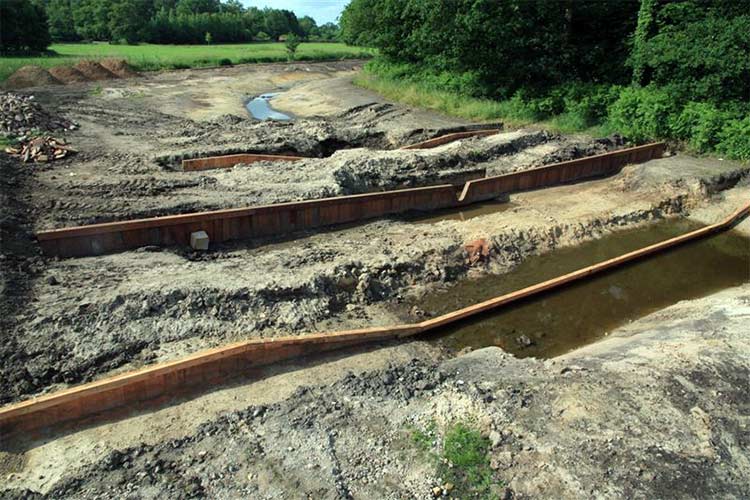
point(147, 57)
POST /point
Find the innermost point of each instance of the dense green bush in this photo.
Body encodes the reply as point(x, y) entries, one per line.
point(499, 43)
point(642, 113)
point(734, 139)
point(698, 47)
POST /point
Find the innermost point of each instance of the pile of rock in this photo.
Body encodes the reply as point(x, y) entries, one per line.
point(20, 115)
point(41, 149)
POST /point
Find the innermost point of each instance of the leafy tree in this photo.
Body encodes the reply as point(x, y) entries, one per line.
point(92, 19)
point(187, 7)
point(308, 26)
point(208, 38)
point(62, 26)
point(23, 27)
point(328, 32)
point(128, 20)
point(276, 23)
point(698, 47)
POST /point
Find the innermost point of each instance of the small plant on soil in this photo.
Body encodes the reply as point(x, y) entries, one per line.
point(292, 42)
point(465, 462)
point(462, 461)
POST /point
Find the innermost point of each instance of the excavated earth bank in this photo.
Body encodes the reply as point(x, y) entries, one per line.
point(657, 415)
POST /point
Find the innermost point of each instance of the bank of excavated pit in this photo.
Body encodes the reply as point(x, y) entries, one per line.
point(655, 411)
point(78, 200)
point(95, 315)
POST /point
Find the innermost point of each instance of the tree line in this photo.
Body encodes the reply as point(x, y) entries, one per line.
point(30, 25)
point(651, 68)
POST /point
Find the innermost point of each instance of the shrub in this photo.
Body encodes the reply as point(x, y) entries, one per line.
point(642, 113)
point(225, 62)
point(291, 44)
point(699, 124)
point(734, 139)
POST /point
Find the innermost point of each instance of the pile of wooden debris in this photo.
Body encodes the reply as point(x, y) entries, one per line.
point(41, 149)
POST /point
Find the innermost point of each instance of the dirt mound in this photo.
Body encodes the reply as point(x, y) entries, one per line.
point(30, 76)
point(119, 67)
point(94, 71)
point(66, 74)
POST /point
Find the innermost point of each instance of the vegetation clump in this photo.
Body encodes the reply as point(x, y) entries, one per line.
point(461, 459)
point(648, 69)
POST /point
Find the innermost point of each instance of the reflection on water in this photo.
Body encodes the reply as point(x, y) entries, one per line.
point(260, 108)
point(581, 313)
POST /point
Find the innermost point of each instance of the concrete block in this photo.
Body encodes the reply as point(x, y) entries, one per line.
point(199, 240)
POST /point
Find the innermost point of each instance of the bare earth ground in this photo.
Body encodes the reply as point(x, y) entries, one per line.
point(653, 411)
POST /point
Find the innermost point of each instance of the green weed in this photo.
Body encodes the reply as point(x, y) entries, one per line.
point(462, 460)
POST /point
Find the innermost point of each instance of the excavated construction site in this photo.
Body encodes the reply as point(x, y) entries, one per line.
point(632, 384)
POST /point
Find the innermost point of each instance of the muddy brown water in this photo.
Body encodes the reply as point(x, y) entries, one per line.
point(581, 313)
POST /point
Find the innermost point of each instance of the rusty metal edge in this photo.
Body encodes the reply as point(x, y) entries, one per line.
point(154, 222)
point(14, 413)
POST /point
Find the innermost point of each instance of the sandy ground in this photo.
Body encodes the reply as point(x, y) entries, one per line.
point(597, 429)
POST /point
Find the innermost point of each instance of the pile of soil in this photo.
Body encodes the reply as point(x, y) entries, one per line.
point(119, 67)
point(30, 76)
point(94, 71)
point(66, 74)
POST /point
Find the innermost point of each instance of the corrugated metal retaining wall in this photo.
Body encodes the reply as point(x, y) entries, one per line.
point(215, 366)
point(284, 218)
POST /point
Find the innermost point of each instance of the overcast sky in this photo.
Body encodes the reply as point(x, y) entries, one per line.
point(323, 11)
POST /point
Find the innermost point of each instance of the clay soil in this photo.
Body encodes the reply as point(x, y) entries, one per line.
point(653, 411)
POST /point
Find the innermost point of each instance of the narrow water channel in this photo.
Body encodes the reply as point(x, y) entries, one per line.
point(260, 108)
point(581, 313)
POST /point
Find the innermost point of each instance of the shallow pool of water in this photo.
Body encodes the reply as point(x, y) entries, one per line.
point(260, 108)
point(583, 312)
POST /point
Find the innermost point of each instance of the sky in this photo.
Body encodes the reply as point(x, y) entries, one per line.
point(323, 11)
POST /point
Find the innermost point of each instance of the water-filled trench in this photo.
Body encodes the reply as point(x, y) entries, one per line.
point(581, 313)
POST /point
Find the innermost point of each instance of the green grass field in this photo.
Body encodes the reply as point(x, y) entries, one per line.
point(153, 57)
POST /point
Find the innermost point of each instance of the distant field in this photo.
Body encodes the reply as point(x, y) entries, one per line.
point(152, 57)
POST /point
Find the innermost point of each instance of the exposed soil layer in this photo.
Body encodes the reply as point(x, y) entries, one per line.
point(30, 76)
point(68, 74)
point(654, 416)
point(657, 414)
point(119, 67)
point(93, 70)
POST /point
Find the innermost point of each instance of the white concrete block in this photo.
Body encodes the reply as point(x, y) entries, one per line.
point(199, 240)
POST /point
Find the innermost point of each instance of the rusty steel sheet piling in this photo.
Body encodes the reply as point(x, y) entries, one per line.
point(283, 218)
point(229, 161)
point(219, 365)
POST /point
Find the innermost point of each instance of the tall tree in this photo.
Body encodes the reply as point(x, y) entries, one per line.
point(62, 27)
point(92, 19)
point(23, 27)
point(128, 20)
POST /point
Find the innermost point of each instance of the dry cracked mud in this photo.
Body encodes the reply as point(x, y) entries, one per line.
point(636, 415)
